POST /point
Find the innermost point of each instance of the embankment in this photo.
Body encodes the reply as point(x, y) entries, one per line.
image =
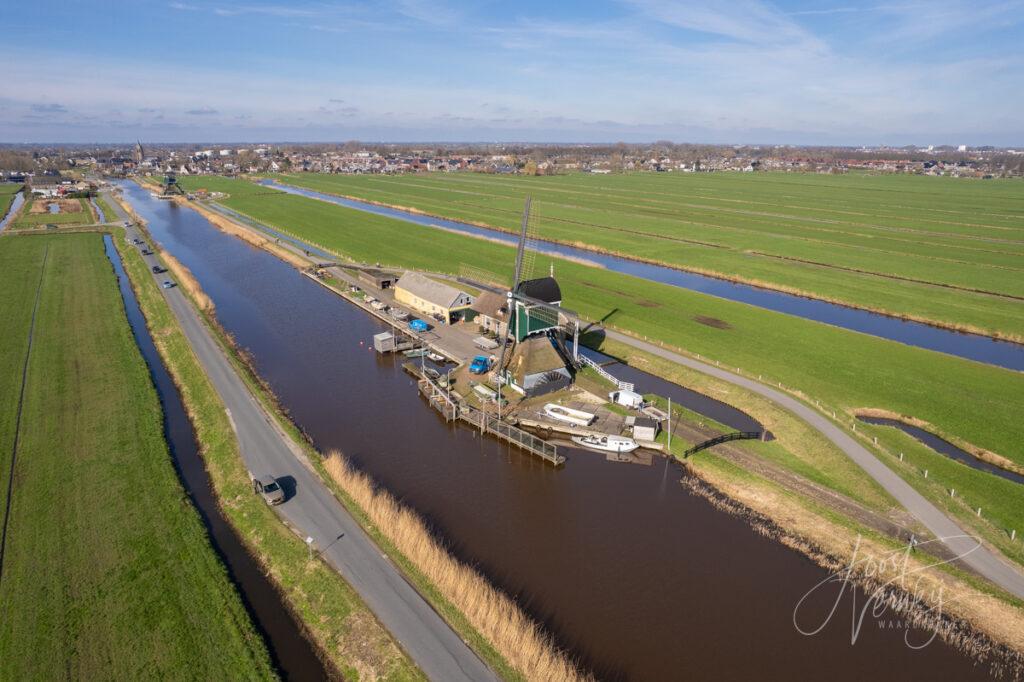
point(343, 628)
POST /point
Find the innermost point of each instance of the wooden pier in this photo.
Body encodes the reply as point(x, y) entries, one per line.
point(453, 409)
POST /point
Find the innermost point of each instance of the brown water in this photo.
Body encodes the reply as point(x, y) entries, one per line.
point(631, 573)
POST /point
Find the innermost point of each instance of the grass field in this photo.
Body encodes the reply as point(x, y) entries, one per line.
point(29, 221)
point(840, 238)
point(843, 369)
point(107, 573)
point(7, 192)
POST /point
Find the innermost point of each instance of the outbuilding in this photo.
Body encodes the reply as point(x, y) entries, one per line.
point(431, 296)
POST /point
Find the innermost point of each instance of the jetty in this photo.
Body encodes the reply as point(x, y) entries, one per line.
point(454, 409)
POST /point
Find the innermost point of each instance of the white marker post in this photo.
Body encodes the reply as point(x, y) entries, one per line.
point(309, 545)
point(670, 426)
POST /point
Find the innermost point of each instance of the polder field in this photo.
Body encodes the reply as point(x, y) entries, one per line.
point(945, 250)
point(7, 192)
point(845, 371)
point(107, 572)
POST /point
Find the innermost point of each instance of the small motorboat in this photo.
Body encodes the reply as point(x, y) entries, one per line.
point(569, 415)
point(415, 352)
point(431, 373)
point(436, 357)
point(378, 305)
point(607, 443)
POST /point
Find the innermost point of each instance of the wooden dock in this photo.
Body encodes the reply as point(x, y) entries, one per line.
point(453, 409)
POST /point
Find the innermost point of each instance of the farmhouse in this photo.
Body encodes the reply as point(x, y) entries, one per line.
point(46, 185)
point(491, 313)
point(432, 297)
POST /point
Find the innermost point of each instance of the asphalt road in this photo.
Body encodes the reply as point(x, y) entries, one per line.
point(985, 562)
point(314, 512)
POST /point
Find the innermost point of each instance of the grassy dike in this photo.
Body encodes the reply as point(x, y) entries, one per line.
point(333, 614)
point(226, 469)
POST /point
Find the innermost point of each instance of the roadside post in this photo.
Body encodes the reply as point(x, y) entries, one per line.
point(309, 546)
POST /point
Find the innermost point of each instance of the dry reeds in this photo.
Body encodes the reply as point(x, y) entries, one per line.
point(493, 614)
point(252, 237)
point(188, 282)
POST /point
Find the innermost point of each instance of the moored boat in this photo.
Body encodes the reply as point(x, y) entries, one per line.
point(415, 352)
point(569, 415)
point(607, 443)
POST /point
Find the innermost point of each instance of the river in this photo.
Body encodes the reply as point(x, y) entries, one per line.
point(969, 346)
point(292, 654)
point(630, 572)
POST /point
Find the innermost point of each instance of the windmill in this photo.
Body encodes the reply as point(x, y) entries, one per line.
point(528, 315)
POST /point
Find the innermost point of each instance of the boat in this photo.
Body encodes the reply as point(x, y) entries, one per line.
point(378, 305)
point(415, 352)
point(436, 357)
point(607, 443)
point(569, 415)
point(485, 392)
point(399, 315)
point(431, 373)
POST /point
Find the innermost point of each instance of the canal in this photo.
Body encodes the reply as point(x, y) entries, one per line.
point(969, 346)
point(17, 201)
point(292, 654)
point(630, 572)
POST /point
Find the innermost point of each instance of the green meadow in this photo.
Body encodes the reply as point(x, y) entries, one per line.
point(939, 249)
point(7, 192)
point(844, 370)
point(107, 572)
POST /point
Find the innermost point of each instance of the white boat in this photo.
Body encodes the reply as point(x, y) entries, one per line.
point(378, 305)
point(436, 357)
point(415, 352)
point(399, 315)
point(607, 443)
point(568, 414)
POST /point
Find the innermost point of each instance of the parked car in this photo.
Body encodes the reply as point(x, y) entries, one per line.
point(480, 364)
point(147, 252)
point(269, 489)
point(157, 269)
point(168, 284)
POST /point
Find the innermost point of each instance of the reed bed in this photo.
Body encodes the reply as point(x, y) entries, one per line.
point(522, 642)
point(188, 282)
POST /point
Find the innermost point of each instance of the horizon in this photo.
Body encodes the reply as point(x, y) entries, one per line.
point(404, 71)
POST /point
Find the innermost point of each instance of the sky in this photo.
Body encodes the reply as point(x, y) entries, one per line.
point(719, 71)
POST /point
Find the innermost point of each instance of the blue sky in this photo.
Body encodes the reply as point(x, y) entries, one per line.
point(741, 71)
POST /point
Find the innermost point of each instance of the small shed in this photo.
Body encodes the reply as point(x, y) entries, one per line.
point(384, 342)
point(645, 428)
point(378, 278)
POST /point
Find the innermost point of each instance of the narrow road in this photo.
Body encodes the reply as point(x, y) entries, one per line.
point(978, 557)
point(422, 633)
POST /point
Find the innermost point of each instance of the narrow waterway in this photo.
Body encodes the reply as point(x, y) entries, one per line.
point(292, 654)
point(969, 346)
point(99, 211)
point(631, 573)
point(19, 199)
point(944, 447)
